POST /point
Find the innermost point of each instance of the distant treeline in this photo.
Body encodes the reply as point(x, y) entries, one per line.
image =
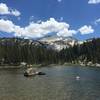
point(13, 51)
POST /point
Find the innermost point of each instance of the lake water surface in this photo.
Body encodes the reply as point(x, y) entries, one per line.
point(59, 83)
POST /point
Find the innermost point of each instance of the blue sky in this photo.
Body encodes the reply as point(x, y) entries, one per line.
point(38, 18)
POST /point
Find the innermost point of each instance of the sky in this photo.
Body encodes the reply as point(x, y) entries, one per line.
point(39, 18)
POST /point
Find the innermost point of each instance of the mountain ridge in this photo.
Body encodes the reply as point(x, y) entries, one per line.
point(53, 42)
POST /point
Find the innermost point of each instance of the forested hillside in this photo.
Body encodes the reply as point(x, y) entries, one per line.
point(13, 51)
point(89, 51)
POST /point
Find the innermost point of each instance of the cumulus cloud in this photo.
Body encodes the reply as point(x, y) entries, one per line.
point(86, 30)
point(66, 33)
point(36, 30)
point(6, 26)
point(43, 28)
point(49, 26)
point(5, 10)
point(9, 27)
point(94, 1)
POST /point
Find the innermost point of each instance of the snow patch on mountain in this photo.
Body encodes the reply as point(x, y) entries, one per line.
point(58, 43)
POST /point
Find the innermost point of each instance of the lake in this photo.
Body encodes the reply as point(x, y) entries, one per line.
point(59, 83)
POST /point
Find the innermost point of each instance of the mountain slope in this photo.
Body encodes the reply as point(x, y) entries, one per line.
point(58, 43)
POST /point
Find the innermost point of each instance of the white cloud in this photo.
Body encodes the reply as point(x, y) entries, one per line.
point(59, 0)
point(9, 27)
point(5, 10)
point(36, 30)
point(39, 21)
point(6, 26)
point(19, 32)
point(15, 12)
point(66, 33)
point(43, 28)
point(93, 1)
point(50, 26)
point(97, 21)
point(86, 30)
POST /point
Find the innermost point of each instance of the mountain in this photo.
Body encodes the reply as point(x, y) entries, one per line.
point(53, 42)
point(58, 43)
point(20, 42)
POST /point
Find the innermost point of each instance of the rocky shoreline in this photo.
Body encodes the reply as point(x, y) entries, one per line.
point(89, 64)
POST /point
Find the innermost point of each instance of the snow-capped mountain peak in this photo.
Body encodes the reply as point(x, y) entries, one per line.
point(58, 43)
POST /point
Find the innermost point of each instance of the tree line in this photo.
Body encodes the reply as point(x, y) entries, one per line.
point(88, 51)
point(13, 51)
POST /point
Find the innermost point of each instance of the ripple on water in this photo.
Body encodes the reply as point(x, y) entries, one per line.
point(59, 83)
